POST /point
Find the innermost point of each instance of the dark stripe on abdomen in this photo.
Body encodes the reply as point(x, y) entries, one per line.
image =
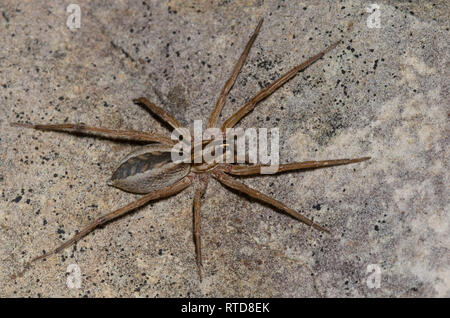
point(140, 164)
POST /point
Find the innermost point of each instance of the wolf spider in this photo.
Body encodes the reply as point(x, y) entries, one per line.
point(150, 171)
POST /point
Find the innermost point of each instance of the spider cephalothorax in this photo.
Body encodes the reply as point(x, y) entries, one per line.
point(151, 171)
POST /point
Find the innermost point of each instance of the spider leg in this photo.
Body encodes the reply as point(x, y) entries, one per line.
point(158, 194)
point(161, 113)
point(247, 159)
point(249, 170)
point(248, 107)
point(102, 132)
point(197, 206)
point(213, 118)
point(234, 184)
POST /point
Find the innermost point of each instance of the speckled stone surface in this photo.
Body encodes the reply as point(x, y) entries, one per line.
point(382, 93)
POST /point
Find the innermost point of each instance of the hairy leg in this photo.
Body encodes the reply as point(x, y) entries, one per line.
point(161, 113)
point(214, 117)
point(199, 192)
point(102, 132)
point(158, 194)
point(248, 107)
point(234, 184)
point(249, 170)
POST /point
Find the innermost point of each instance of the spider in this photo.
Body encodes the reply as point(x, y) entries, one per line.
point(151, 172)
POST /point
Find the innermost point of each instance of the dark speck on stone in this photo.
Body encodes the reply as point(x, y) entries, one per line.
point(317, 206)
point(60, 231)
point(17, 199)
point(375, 64)
point(5, 16)
point(377, 228)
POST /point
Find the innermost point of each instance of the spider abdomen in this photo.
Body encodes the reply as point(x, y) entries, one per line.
point(148, 169)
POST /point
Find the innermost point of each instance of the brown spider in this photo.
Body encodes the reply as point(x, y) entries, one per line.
point(150, 170)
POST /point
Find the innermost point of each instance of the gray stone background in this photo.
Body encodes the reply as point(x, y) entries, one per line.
point(382, 93)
